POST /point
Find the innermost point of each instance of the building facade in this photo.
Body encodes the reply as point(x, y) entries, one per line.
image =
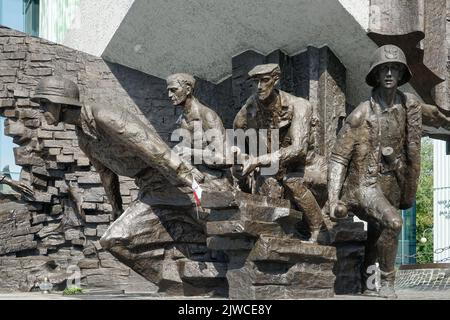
point(441, 208)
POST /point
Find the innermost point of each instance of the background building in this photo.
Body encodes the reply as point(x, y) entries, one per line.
point(441, 208)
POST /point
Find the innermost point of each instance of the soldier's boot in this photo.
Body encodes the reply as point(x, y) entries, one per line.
point(306, 201)
point(387, 288)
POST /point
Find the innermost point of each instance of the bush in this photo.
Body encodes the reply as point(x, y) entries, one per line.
point(72, 291)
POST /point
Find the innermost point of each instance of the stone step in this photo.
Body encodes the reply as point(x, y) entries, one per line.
point(227, 244)
point(287, 250)
point(228, 199)
point(250, 228)
point(306, 275)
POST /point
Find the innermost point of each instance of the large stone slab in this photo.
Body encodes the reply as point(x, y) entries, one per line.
point(229, 244)
point(228, 199)
point(249, 228)
point(307, 275)
point(348, 231)
point(271, 292)
point(291, 251)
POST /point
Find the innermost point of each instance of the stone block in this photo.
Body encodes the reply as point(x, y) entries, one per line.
point(49, 230)
point(4, 72)
point(20, 93)
point(270, 292)
point(348, 232)
point(229, 244)
point(90, 232)
point(7, 103)
point(101, 218)
point(290, 251)
point(39, 72)
point(91, 178)
point(193, 270)
point(65, 158)
point(40, 57)
point(101, 229)
point(45, 134)
point(88, 264)
point(65, 135)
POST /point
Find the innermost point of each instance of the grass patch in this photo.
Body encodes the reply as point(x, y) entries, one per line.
point(72, 291)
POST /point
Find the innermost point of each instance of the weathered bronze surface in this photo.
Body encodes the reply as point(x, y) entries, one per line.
point(273, 109)
point(117, 143)
point(17, 186)
point(199, 121)
point(375, 165)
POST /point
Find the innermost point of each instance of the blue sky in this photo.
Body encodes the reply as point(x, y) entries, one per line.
point(10, 16)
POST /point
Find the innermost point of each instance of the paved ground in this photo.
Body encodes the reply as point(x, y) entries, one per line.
point(402, 295)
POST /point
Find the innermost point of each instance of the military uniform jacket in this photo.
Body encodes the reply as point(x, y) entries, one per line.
point(361, 140)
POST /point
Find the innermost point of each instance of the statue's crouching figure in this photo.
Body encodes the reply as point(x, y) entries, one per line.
point(293, 160)
point(161, 225)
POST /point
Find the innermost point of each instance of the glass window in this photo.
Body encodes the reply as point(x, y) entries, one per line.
point(31, 13)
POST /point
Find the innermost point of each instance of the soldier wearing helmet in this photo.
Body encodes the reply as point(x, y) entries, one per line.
point(117, 141)
point(375, 164)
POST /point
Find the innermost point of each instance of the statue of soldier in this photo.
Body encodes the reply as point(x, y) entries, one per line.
point(116, 141)
point(273, 109)
point(199, 121)
point(375, 164)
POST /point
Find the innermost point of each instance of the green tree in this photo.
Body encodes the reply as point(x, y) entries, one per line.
point(424, 200)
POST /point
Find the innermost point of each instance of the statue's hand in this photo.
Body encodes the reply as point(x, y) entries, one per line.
point(332, 208)
point(338, 210)
point(22, 188)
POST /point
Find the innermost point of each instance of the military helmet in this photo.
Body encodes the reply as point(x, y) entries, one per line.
point(386, 54)
point(58, 90)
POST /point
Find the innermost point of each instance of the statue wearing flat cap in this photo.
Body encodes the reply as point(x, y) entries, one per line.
point(272, 109)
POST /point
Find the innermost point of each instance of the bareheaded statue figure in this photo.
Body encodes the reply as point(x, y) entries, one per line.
point(199, 121)
point(375, 164)
point(291, 117)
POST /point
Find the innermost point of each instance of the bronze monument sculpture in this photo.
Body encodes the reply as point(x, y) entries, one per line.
point(197, 119)
point(117, 142)
point(375, 165)
point(141, 149)
point(274, 109)
point(110, 195)
point(17, 186)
